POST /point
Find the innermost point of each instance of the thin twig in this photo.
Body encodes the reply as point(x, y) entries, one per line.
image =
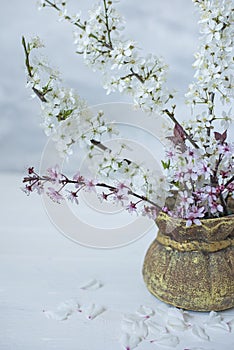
point(107, 24)
point(138, 76)
point(78, 24)
point(29, 69)
point(37, 178)
point(229, 181)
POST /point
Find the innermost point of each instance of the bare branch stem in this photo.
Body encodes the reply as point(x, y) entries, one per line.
point(107, 24)
point(229, 181)
point(65, 181)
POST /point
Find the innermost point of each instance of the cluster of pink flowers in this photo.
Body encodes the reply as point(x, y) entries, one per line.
point(59, 188)
point(203, 180)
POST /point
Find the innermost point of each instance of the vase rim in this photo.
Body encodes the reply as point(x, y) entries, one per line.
point(203, 221)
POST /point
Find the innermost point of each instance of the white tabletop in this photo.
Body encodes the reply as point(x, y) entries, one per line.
point(40, 269)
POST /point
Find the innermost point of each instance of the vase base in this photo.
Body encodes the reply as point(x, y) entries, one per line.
point(190, 306)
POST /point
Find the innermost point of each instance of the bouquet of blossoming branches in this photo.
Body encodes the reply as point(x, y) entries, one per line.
point(198, 169)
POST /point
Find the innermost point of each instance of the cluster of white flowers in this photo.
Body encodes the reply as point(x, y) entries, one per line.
point(94, 40)
point(104, 48)
point(65, 114)
point(124, 69)
point(144, 182)
point(214, 60)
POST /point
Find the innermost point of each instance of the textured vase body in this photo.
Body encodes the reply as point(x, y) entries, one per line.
point(192, 267)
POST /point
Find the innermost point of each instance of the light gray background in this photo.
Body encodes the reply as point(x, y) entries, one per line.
point(40, 269)
point(166, 27)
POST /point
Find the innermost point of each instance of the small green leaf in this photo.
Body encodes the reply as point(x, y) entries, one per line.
point(166, 165)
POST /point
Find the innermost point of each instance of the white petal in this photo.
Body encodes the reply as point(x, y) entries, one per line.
point(155, 328)
point(145, 311)
point(199, 332)
point(63, 311)
point(94, 310)
point(53, 315)
point(127, 326)
point(214, 317)
point(216, 321)
point(160, 313)
point(131, 317)
point(177, 324)
point(140, 329)
point(231, 325)
point(222, 326)
point(177, 313)
point(167, 340)
point(92, 284)
point(129, 341)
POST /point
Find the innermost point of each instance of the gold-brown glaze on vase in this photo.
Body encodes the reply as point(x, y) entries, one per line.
point(192, 267)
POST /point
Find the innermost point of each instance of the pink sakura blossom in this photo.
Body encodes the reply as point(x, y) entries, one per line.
point(27, 189)
point(226, 149)
point(230, 187)
point(165, 209)
point(54, 174)
point(220, 188)
point(36, 186)
point(150, 211)
point(171, 154)
point(186, 200)
point(79, 178)
point(104, 196)
point(215, 208)
point(193, 215)
point(179, 176)
point(54, 195)
point(73, 197)
point(122, 187)
point(31, 170)
point(224, 174)
point(90, 185)
point(191, 153)
point(191, 172)
point(119, 198)
point(210, 193)
point(204, 169)
point(131, 207)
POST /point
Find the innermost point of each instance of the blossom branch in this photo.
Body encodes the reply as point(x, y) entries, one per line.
point(122, 192)
point(53, 5)
point(211, 111)
point(107, 24)
point(39, 93)
point(76, 23)
point(138, 76)
point(129, 55)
